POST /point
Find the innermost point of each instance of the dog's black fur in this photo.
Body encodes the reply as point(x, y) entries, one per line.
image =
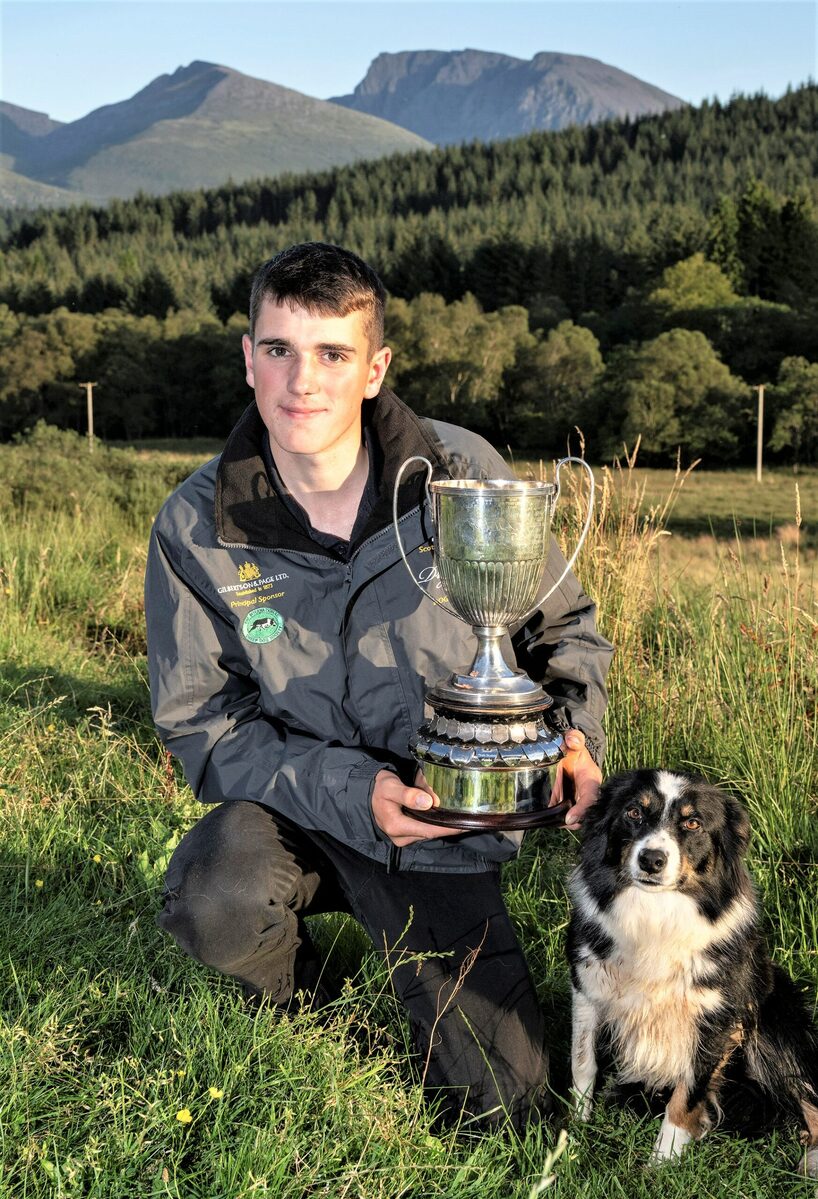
point(668, 960)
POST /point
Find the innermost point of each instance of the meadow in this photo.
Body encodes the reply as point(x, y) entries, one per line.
point(128, 1070)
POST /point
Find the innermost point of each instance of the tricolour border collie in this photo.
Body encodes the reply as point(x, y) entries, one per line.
point(668, 961)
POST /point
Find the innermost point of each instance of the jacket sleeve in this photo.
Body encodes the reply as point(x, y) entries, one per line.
point(560, 647)
point(206, 709)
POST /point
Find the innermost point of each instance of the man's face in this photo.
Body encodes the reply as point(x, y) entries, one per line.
point(311, 374)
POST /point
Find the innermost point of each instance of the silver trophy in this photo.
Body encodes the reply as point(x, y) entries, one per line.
point(487, 750)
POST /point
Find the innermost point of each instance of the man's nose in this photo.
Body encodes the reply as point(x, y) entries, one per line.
point(652, 861)
point(302, 378)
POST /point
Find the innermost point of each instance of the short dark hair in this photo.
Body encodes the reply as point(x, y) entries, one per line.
point(324, 279)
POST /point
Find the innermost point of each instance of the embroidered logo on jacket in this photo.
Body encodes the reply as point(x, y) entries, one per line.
point(248, 571)
point(262, 625)
point(244, 589)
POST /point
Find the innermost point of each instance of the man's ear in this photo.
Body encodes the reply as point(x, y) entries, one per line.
point(378, 367)
point(247, 347)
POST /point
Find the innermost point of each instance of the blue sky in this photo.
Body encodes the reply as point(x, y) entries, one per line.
point(66, 57)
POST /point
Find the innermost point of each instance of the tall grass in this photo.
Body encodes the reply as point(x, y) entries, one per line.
point(111, 1039)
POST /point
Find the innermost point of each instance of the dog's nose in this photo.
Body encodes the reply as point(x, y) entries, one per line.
point(652, 861)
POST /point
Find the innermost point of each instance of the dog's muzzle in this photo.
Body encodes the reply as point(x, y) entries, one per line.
point(655, 861)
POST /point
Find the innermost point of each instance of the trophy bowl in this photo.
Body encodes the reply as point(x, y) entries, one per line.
point(487, 750)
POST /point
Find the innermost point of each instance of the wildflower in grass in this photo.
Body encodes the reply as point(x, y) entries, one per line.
point(97, 857)
point(184, 1116)
point(215, 1093)
point(38, 882)
point(180, 1073)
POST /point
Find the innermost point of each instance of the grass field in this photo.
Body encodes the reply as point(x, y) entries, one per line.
point(130, 1071)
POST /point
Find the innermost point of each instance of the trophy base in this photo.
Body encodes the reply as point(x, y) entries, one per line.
point(492, 822)
point(490, 771)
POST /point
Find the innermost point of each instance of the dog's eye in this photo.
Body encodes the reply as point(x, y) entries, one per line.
point(633, 814)
point(692, 824)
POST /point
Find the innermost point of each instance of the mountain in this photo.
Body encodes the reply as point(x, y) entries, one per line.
point(17, 191)
point(461, 95)
point(19, 127)
point(202, 126)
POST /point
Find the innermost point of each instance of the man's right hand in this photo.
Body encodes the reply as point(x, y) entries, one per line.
point(390, 796)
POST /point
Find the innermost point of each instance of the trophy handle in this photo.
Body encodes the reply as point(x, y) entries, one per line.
point(421, 589)
point(591, 490)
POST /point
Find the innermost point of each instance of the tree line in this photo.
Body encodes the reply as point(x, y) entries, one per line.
point(637, 276)
point(533, 389)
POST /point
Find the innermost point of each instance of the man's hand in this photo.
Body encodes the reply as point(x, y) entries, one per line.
point(390, 796)
point(583, 772)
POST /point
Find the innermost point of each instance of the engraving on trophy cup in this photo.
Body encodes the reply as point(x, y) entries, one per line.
point(487, 750)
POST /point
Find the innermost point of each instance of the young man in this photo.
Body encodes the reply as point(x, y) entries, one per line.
point(288, 655)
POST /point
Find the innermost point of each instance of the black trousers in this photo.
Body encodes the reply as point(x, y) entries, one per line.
point(240, 884)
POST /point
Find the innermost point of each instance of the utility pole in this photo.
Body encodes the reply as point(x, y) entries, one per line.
point(760, 436)
point(89, 397)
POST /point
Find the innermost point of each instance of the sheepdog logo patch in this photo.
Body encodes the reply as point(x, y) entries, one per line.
point(262, 625)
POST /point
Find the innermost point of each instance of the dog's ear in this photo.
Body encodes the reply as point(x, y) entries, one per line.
point(737, 822)
point(734, 834)
point(596, 844)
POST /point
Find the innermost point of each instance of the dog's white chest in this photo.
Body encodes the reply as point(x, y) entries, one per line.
point(652, 990)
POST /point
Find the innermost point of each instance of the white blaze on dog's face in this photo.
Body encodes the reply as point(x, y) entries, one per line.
point(655, 858)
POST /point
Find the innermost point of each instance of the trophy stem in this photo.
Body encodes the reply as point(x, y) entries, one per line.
point(489, 663)
point(490, 683)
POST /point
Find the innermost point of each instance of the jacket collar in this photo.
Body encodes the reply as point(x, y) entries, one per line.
point(248, 511)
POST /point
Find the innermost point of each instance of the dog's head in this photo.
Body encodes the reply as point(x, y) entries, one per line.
point(660, 830)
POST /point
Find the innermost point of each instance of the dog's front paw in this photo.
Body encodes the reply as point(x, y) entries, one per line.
point(582, 1104)
point(669, 1143)
point(808, 1165)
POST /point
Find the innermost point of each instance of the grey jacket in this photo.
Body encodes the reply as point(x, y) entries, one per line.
point(282, 675)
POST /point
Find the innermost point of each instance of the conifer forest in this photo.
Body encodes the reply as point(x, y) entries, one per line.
point(639, 277)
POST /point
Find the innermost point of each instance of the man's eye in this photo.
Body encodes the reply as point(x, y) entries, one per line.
point(633, 814)
point(277, 351)
point(333, 356)
point(692, 824)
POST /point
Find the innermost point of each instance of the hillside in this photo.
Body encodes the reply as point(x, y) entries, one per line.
point(17, 191)
point(463, 95)
point(19, 127)
point(199, 127)
point(634, 278)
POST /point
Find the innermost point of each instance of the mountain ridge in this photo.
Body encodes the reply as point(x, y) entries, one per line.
point(450, 96)
point(200, 126)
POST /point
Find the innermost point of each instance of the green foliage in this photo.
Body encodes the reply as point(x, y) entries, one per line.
point(767, 247)
point(550, 389)
point(795, 398)
point(450, 359)
point(178, 376)
point(51, 469)
point(675, 391)
point(693, 283)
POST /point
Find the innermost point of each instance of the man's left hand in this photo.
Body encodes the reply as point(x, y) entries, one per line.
point(583, 773)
